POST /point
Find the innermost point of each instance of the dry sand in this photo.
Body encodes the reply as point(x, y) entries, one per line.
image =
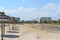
point(33, 32)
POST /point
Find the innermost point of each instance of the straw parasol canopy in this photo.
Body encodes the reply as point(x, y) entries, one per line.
point(6, 19)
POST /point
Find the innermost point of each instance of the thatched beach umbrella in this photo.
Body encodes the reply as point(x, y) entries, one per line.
point(3, 19)
point(6, 19)
point(13, 22)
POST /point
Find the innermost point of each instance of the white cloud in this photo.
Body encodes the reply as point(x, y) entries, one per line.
point(58, 11)
point(58, 6)
point(53, 10)
point(49, 6)
point(21, 11)
point(30, 10)
point(50, 9)
point(2, 9)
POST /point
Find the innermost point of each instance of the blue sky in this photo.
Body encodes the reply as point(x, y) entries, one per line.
point(31, 9)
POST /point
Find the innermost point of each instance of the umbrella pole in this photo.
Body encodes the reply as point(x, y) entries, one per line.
point(12, 26)
point(1, 31)
point(15, 24)
point(4, 28)
point(9, 27)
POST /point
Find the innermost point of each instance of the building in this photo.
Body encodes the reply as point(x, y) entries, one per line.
point(17, 19)
point(45, 19)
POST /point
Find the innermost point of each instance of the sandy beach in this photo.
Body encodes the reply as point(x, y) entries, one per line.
point(32, 32)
